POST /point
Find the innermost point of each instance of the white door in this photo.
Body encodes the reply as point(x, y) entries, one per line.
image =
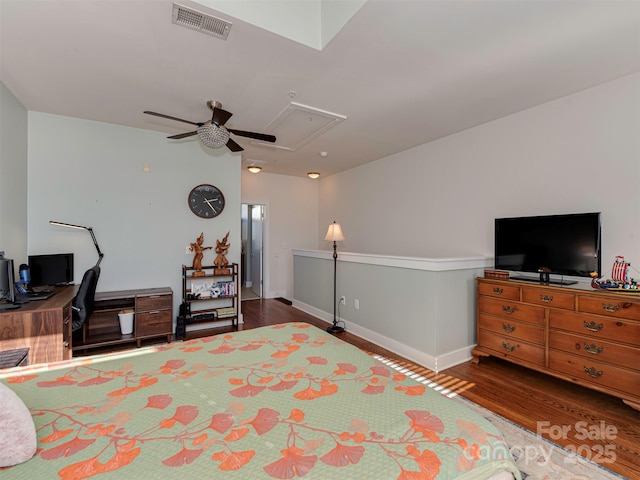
point(257, 216)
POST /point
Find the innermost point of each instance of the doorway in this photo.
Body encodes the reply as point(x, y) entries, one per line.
point(252, 267)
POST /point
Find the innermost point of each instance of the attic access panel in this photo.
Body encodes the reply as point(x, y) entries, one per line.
point(298, 124)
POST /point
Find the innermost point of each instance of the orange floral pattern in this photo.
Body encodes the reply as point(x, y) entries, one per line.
point(278, 402)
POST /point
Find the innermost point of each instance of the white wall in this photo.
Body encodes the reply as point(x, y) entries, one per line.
point(580, 153)
point(13, 177)
point(90, 173)
point(291, 219)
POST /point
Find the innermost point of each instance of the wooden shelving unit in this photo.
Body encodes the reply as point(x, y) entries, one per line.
point(208, 295)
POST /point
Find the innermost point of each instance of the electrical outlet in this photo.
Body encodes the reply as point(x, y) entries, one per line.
point(343, 300)
point(189, 251)
point(356, 304)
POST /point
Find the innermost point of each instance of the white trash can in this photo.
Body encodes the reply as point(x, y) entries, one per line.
point(126, 321)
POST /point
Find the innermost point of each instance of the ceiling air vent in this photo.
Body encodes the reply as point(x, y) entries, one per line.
point(195, 20)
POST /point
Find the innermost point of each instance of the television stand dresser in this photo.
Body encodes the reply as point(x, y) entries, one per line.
point(585, 336)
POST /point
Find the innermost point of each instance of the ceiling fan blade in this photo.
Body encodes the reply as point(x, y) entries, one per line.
point(233, 146)
point(258, 136)
point(183, 135)
point(172, 118)
point(220, 116)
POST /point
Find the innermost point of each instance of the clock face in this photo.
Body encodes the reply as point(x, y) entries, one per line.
point(206, 201)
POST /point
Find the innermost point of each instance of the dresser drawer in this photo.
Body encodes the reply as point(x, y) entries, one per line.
point(549, 298)
point(158, 322)
point(596, 349)
point(154, 302)
point(511, 348)
point(511, 310)
point(515, 329)
point(510, 292)
point(584, 370)
point(596, 326)
point(619, 307)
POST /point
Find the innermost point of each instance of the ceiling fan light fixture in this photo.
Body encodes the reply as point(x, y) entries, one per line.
point(313, 175)
point(254, 168)
point(213, 136)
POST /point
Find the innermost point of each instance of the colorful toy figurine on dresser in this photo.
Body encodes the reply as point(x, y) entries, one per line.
point(620, 279)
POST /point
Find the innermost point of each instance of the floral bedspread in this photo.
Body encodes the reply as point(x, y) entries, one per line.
point(281, 402)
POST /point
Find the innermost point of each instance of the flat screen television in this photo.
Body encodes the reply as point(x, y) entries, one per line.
point(53, 269)
point(552, 244)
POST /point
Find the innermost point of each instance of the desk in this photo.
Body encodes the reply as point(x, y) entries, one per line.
point(44, 327)
point(153, 317)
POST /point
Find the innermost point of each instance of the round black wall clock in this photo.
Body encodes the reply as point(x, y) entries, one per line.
point(206, 201)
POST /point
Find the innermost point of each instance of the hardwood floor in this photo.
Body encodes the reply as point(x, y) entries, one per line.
point(598, 426)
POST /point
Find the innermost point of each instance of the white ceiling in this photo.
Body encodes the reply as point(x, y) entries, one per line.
point(402, 72)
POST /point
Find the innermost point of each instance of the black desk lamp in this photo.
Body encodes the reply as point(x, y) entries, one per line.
point(334, 234)
point(80, 227)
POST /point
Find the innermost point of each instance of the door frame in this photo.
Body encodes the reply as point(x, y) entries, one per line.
point(248, 206)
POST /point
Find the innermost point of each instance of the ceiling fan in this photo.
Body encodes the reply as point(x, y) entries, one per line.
point(213, 133)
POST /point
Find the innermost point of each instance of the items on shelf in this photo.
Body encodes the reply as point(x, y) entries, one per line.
point(208, 296)
point(226, 312)
point(198, 250)
point(221, 262)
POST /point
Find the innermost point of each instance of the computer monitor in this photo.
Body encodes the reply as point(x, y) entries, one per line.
point(7, 281)
point(53, 269)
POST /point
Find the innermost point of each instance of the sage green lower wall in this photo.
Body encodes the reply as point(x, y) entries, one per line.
point(423, 309)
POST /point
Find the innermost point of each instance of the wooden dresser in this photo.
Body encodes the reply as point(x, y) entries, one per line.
point(585, 336)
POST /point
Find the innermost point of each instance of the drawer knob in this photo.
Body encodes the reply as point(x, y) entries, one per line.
point(592, 326)
point(497, 290)
point(508, 328)
point(508, 347)
point(593, 349)
point(546, 298)
point(592, 372)
point(509, 309)
point(607, 307)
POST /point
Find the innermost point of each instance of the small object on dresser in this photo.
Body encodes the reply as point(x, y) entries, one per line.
point(496, 274)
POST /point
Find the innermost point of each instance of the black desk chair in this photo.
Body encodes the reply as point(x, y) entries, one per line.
point(84, 300)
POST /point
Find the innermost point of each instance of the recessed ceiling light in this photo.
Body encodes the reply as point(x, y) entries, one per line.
point(323, 154)
point(254, 168)
point(313, 175)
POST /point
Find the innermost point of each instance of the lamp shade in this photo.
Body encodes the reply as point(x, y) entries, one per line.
point(334, 234)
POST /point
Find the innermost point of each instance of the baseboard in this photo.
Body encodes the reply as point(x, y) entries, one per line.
point(436, 364)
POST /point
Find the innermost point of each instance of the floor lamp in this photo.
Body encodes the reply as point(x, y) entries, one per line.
point(80, 227)
point(334, 234)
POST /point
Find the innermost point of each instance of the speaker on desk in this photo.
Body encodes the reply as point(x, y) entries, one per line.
point(25, 279)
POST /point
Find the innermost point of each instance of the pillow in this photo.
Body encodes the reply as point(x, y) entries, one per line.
point(18, 440)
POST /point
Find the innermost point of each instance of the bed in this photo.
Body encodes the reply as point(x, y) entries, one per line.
point(284, 401)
